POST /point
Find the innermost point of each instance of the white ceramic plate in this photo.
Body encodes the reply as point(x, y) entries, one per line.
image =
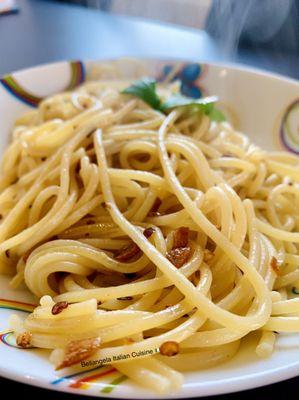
point(265, 106)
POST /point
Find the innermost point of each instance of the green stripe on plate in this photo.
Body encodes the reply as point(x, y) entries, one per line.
point(112, 385)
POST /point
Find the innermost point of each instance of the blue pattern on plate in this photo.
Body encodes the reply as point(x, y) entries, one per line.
point(188, 75)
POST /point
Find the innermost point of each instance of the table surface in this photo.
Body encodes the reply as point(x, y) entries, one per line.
point(47, 31)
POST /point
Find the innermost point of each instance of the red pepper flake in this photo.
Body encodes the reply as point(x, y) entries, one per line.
point(24, 340)
point(179, 256)
point(79, 350)
point(89, 216)
point(196, 277)
point(154, 210)
point(77, 168)
point(169, 349)
point(180, 237)
point(181, 250)
point(128, 252)
point(129, 341)
point(143, 157)
point(156, 205)
point(88, 136)
point(207, 255)
point(58, 307)
point(275, 265)
point(132, 249)
point(26, 255)
point(106, 206)
point(148, 232)
point(125, 298)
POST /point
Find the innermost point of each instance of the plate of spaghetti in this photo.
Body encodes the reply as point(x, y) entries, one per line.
point(149, 228)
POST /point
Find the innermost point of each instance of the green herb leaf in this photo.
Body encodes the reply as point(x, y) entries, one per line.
point(145, 89)
point(216, 115)
point(204, 103)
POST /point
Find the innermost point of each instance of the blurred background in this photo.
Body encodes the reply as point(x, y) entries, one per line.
point(262, 27)
point(267, 23)
point(261, 33)
point(183, 12)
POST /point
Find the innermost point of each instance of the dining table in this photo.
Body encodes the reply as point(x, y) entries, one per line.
point(44, 31)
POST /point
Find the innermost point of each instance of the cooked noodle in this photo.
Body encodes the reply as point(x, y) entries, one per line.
point(96, 189)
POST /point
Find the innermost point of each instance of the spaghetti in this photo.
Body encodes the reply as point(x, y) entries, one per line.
point(141, 232)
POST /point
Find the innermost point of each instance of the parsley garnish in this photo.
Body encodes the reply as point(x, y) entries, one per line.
point(216, 115)
point(145, 89)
